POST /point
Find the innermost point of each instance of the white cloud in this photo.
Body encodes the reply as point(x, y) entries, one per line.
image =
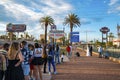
point(2, 26)
point(114, 6)
point(112, 2)
point(118, 8)
point(30, 14)
point(19, 11)
point(55, 7)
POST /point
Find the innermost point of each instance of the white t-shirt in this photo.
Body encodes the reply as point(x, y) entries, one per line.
point(71, 49)
point(38, 52)
point(62, 56)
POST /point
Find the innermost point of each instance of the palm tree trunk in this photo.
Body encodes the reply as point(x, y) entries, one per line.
point(71, 29)
point(45, 44)
point(45, 34)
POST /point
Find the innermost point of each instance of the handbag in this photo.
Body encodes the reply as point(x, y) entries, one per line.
point(44, 55)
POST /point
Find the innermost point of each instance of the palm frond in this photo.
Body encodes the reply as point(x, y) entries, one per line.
point(72, 19)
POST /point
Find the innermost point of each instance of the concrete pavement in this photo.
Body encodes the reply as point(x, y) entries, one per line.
point(46, 76)
point(88, 68)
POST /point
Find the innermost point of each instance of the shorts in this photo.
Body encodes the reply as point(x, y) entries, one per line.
point(37, 61)
point(26, 69)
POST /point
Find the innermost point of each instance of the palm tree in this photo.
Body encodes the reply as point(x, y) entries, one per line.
point(72, 21)
point(110, 36)
point(47, 20)
point(10, 35)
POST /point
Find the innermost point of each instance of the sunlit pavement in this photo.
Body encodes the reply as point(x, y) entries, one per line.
point(88, 68)
point(46, 76)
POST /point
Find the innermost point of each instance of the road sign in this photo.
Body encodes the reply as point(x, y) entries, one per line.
point(75, 33)
point(74, 37)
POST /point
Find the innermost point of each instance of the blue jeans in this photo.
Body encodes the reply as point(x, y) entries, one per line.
point(53, 64)
point(57, 57)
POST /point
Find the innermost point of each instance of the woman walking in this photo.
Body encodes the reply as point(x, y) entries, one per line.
point(51, 60)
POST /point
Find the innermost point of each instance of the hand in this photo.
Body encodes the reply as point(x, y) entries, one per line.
point(16, 65)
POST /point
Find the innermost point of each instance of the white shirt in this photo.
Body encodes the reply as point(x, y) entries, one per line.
point(38, 54)
point(100, 49)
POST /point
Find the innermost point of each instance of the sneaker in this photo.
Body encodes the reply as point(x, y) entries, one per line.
point(49, 73)
point(55, 72)
point(31, 78)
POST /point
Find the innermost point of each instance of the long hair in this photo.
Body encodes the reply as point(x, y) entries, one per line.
point(14, 48)
point(36, 45)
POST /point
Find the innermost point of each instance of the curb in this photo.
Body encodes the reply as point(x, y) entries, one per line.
point(114, 59)
point(111, 58)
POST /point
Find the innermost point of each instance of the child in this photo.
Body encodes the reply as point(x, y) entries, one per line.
point(62, 56)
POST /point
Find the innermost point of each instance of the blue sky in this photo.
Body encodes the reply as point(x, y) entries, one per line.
point(93, 15)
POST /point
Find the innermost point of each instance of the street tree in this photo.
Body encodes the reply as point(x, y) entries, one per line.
point(72, 20)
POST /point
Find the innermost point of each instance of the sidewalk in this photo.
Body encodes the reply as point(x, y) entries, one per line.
point(88, 68)
point(49, 77)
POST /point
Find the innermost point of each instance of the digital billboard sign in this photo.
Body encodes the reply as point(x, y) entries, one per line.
point(16, 27)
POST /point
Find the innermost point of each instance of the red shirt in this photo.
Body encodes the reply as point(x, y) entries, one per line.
point(68, 48)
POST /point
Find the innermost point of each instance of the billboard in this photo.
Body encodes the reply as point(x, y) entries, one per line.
point(15, 27)
point(56, 34)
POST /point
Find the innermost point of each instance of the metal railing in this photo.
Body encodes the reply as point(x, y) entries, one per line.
point(108, 52)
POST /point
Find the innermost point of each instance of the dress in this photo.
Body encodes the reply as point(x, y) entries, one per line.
point(88, 52)
point(14, 73)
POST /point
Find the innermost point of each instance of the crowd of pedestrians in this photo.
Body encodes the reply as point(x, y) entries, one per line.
point(24, 61)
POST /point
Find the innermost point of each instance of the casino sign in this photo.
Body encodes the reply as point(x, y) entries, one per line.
point(104, 30)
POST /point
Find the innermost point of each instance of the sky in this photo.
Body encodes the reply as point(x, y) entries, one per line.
point(93, 14)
